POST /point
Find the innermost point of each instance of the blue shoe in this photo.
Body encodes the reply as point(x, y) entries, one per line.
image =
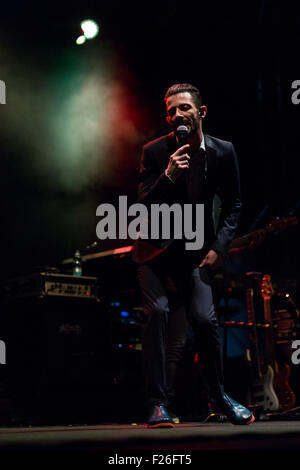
point(235, 412)
point(160, 418)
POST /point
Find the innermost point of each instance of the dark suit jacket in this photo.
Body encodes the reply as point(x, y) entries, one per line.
point(222, 179)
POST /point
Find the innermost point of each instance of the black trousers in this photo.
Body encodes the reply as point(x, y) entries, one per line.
point(177, 297)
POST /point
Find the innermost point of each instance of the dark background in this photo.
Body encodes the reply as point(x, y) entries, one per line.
point(242, 55)
point(71, 134)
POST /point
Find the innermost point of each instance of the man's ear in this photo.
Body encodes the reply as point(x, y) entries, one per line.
point(202, 111)
point(168, 119)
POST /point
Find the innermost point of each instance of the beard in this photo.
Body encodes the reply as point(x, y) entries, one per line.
point(193, 123)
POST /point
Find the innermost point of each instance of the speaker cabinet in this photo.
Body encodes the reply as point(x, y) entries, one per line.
point(58, 354)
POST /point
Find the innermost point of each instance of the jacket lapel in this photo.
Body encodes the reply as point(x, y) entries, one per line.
point(210, 155)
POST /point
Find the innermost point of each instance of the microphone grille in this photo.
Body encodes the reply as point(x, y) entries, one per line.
point(182, 132)
point(182, 129)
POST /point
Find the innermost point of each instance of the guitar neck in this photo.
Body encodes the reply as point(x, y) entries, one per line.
point(266, 292)
point(269, 334)
point(253, 334)
point(255, 238)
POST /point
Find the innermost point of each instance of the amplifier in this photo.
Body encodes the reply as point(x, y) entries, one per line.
point(51, 284)
point(57, 334)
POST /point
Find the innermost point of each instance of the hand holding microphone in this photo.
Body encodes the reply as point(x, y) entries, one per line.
point(179, 160)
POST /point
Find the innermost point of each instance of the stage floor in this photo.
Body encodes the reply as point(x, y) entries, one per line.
point(117, 438)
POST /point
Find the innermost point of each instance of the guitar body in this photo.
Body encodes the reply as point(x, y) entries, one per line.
point(263, 392)
point(284, 392)
point(286, 396)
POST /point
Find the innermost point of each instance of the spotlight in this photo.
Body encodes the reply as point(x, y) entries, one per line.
point(80, 40)
point(90, 28)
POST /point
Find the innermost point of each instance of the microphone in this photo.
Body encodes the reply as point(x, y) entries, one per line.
point(182, 133)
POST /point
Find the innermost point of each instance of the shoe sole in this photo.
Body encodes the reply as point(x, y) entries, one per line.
point(251, 420)
point(161, 425)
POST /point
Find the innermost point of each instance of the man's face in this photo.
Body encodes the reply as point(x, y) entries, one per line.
point(181, 110)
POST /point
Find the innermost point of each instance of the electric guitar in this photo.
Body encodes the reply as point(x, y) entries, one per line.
point(262, 392)
point(286, 396)
point(253, 240)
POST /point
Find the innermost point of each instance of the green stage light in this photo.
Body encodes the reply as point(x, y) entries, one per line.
point(90, 28)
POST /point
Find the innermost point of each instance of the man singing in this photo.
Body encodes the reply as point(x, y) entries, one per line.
point(185, 167)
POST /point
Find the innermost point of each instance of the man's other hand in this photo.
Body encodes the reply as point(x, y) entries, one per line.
point(212, 260)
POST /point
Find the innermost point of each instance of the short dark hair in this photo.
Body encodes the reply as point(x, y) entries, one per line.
point(183, 87)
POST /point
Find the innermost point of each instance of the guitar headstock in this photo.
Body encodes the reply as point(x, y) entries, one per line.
point(266, 287)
